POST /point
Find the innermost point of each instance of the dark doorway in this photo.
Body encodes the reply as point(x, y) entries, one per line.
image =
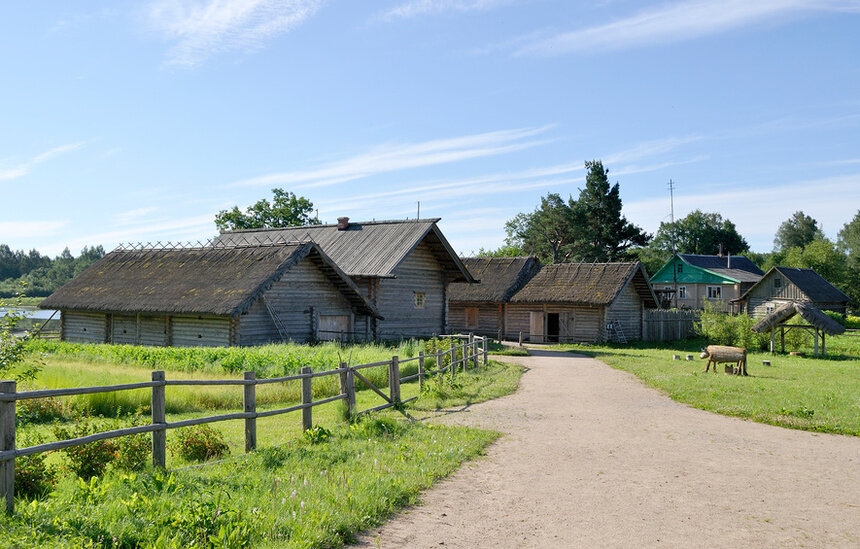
point(552, 327)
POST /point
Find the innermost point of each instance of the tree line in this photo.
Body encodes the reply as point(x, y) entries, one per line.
point(40, 275)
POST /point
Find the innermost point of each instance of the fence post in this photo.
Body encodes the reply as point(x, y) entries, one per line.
point(307, 398)
point(394, 379)
point(159, 438)
point(250, 401)
point(453, 357)
point(500, 335)
point(420, 371)
point(521, 339)
point(7, 443)
point(471, 349)
point(485, 351)
point(347, 387)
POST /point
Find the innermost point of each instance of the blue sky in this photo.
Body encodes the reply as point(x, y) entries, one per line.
point(137, 121)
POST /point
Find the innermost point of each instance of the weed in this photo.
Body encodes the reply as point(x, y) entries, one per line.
point(316, 434)
point(33, 477)
point(87, 460)
point(199, 443)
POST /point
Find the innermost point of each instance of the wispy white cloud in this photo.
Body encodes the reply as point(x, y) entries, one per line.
point(133, 216)
point(12, 230)
point(415, 8)
point(678, 21)
point(23, 168)
point(390, 158)
point(201, 28)
point(194, 228)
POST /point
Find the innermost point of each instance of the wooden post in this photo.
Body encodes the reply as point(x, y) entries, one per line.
point(347, 380)
point(823, 345)
point(467, 351)
point(772, 335)
point(394, 379)
point(250, 402)
point(500, 335)
point(781, 339)
point(7, 442)
point(159, 438)
point(521, 339)
point(485, 351)
point(815, 353)
point(420, 371)
point(307, 398)
point(453, 356)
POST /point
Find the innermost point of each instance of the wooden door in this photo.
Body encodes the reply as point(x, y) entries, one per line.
point(331, 326)
point(536, 326)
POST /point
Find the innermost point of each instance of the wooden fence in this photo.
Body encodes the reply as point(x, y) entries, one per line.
point(669, 325)
point(471, 349)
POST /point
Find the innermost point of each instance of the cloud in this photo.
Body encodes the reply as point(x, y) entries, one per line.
point(390, 158)
point(196, 227)
point(416, 8)
point(202, 28)
point(678, 22)
point(14, 172)
point(12, 230)
point(133, 216)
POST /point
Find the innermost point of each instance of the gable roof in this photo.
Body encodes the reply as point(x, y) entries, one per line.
point(812, 284)
point(223, 281)
point(585, 284)
point(366, 249)
point(731, 269)
point(809, 312)
point(499, 278)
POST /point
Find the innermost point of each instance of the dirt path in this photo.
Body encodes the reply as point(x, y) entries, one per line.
point(593, 458)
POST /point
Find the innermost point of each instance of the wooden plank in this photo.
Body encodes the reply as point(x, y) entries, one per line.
point(307, 398)
point(249, 402)
point(394, 379)
point(420, 371)
point(159, 437)
point(7, 444)
point(50, 393)
point(371, 385)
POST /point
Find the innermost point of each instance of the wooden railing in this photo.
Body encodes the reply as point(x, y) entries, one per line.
point(471, 349)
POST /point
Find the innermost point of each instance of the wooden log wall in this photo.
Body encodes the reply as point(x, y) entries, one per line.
point(419, 272)
point(83, 327)
point(626, 310)
point(490, 318)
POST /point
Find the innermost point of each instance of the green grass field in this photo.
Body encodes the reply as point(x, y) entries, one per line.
point(814, 394)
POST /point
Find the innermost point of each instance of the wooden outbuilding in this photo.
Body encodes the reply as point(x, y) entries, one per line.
point(782, 285)
point(818, 323)
point(402, 267)
point(481, 308)
point(211, 296)
point(581, 302)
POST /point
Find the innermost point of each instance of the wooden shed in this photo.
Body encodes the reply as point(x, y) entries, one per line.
point(211, 296)
point(481, 308)
point(582, 302)
point(402, 267)
point(783, 285)
point(817, 323)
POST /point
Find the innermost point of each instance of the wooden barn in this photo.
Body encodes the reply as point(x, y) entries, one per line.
point(783, 285)
point(402, 267)
point(481, 308)
point(211, 296)
point(581, 302)
point(689, 280)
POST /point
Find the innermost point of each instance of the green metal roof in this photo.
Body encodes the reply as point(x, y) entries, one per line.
point(690, 274)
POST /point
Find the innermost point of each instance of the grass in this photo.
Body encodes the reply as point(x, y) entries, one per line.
point(813, 394)
point(506, 350)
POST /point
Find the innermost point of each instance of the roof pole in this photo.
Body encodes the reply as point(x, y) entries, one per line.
point(674, 250)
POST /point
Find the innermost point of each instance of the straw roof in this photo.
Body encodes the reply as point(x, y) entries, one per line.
point(807, 311)
point(219, 281)
point(499, 278)
point(364, 249)
point(585, 284)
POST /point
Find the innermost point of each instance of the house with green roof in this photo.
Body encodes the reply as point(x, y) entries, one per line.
point(689, 280)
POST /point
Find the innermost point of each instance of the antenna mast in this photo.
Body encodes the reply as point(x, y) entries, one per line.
point(419, 210)
point(674, 249)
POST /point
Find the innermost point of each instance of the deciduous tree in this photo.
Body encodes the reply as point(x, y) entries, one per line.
point(285, 210)
point(797, 231)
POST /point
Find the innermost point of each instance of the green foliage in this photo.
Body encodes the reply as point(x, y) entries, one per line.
point(505, 250)
point(699, 233)
point(91, 459)
point(285, 210)
point(41, 274)
point(13, 344)
point(797, 231)
point(316, 434)
point(547, 232)
point(849, 244)
point(34, 478)
point(719, 328)
point(822, 256)
point(133, 452)
point(41, 410)
point(199, 443)
point(373, 427)
point(849, 321)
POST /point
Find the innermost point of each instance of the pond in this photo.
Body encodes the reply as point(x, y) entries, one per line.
point(30, 312)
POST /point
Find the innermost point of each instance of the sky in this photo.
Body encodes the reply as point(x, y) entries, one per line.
point(137, 121)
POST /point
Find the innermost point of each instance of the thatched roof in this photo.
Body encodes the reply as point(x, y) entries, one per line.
point(585, 284)
point(737, 267)
point(364, 249)
point(499, 278)
point(214, 281)
point(809, 312)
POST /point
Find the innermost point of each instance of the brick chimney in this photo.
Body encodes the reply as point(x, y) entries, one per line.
point(342, 223)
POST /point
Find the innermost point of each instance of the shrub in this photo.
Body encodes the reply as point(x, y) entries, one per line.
point(316, 434)
point(88, 460)
point(41, 410)
point(723, 329)
point(375, 427)
point(33, 477)
point(199, 443)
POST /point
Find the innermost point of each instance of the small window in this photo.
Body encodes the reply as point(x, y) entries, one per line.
point(679, 268)
point(667, 287)
point(715, 292)
point(419, 300)
point(768, 309)
point(682, 292)
point(471, 317)
point(777, 282)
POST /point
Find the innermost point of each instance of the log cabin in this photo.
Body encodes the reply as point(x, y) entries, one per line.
point(783, 285)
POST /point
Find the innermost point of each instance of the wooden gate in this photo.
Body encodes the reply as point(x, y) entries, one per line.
point(332, 326)
point(536, 326)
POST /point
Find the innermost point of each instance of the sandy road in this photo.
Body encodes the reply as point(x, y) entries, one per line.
point(590, 457)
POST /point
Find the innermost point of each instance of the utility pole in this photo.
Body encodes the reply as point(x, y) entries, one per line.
point(419, 210)
point(674, 250)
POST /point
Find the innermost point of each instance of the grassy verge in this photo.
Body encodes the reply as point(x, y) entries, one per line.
point(506, 350)
point(813, 394)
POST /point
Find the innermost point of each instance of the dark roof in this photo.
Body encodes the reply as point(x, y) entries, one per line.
point(208, 280)
point(585, 284)
point(736, 266)
point(499, 278)
point(809, 312)
point(372, 249)
point(813, 285)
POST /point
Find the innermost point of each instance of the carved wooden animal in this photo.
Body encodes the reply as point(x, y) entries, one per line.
point(717, 354)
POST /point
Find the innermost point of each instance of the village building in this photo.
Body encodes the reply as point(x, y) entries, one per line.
point(689, 281)
point(481, 308)
point(577, 302)
point(782, 285)
point(212, 296)
point(403, 268)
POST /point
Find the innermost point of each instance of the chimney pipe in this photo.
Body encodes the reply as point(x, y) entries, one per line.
point(720, 253)
point(342, 223)
point(729, 260)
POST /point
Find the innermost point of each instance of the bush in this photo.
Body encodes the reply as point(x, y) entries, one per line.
point(316, 434)
point(33, 477)
point(133, 452)
point(88, 460)
point(41, 410)
point(723, 329)
point(199, 443)
point(375, 427)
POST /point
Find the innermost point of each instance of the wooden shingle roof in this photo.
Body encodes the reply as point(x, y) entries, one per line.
point(364, 249)
point(585, 284)
point(223, 281)
point(499, 278)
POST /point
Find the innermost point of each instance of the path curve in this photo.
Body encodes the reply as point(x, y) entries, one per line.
point(591, 457)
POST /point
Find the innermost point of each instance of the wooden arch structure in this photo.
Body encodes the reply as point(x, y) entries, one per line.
point(819, 324)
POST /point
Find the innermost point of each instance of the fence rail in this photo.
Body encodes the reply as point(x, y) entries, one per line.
point(472, 349)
